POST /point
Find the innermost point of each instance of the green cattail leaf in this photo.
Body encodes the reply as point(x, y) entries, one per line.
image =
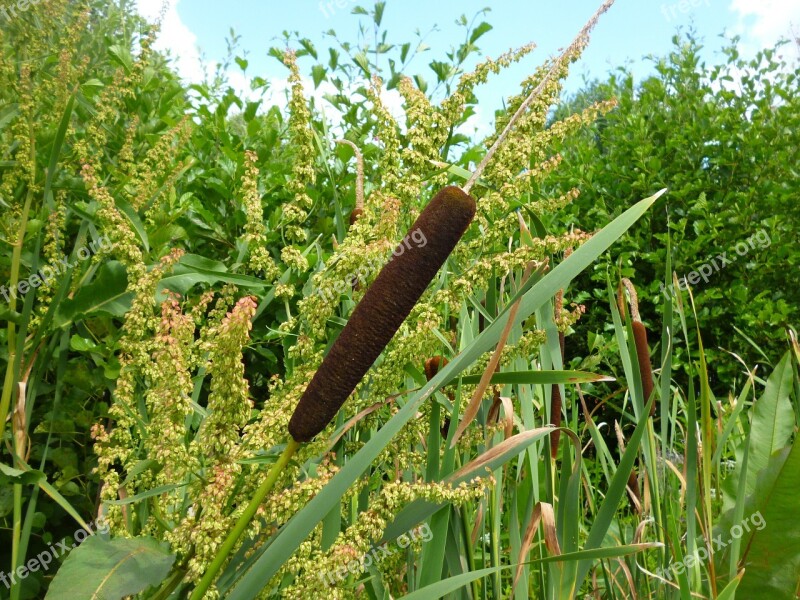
point(537, 378)
point(451, 584)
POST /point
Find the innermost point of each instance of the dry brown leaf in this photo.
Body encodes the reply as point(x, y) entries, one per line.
point(542, 512)
point(477, 397)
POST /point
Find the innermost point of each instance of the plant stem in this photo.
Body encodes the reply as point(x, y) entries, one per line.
point(523, 108)
point(244, 520)
point(16, 259)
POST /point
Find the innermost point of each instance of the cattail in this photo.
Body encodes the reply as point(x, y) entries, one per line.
point(357, 212)
point(382, 310)
point(642, 347)
point(433, 366)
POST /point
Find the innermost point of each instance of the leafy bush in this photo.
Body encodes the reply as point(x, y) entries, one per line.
point(724, 139)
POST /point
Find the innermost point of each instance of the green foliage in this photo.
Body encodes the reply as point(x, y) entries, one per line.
point(723, 138)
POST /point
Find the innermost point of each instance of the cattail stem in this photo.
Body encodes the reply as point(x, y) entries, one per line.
point(244, 520)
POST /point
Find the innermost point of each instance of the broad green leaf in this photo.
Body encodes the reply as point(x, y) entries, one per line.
point(193, 269)
point(769, 531)
point(773, 421)
point(110, 569)
point(106, 295)
point(122, 56)
point(482, 28)
point(9, 475)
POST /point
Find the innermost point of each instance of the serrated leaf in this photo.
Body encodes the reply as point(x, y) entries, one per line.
point(379, 7)
point(122, 57)
point(309, 47)
point(318, 74)
point(362, 61)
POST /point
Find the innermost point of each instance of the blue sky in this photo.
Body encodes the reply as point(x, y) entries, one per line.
point(629, 32)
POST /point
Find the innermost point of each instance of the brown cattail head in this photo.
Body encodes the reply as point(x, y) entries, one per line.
point(634, 492)
point(643, 354)
point(357, 212)
point(382, 310)
point(433, 366)
point(640, 341)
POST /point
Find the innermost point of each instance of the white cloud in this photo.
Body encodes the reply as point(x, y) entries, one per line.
point(175, 38)
point(763, 22)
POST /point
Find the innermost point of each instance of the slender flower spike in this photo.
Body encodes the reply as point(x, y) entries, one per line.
point(382, 310)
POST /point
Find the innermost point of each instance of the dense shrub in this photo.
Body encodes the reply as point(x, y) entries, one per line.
point(725, 139)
